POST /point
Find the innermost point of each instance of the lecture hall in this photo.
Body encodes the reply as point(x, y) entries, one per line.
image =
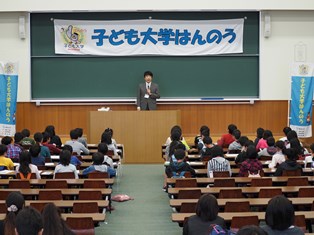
point(251, 88)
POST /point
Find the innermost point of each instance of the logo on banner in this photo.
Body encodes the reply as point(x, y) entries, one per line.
point(73, 37)
point(9, 68)
point(304, 69)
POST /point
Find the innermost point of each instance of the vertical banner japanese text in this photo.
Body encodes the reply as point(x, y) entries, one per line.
point(8, 97)
point(301, 99)
point(149, 37)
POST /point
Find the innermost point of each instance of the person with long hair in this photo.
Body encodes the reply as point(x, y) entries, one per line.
point(106, 138)
point(14, 203)
point(206, 214)
point(279, 217)
point(53, 222)
point(65, 165)
point(25, 169)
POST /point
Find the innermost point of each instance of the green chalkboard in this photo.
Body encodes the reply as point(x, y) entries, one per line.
point(94, 77)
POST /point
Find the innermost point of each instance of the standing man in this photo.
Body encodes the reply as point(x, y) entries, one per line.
point(147, 94)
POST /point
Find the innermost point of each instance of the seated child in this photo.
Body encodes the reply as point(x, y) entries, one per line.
point(74, 160)
point(208, 142)
point(37, 159)
point(98, 159)
point(218, 161)
point(65, 165)
point(177, 169)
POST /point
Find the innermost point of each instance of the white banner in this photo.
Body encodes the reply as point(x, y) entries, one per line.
point(149, 37)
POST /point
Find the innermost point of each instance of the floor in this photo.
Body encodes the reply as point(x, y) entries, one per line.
point(149, 212)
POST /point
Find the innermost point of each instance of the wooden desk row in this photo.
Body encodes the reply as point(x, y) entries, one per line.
point(203, 165)
point(179, 217)
point(44, 174)
point(97, 217)
point(245, 190)
point(259, 202)
point(39, 183)
point(277, 180)
point(85, 158)
point(65, 192)
point(235, 171)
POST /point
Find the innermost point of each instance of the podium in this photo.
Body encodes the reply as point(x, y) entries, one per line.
point(141, 132)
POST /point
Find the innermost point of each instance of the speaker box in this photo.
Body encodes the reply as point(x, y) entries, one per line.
point(267, 26)
point(22, 31)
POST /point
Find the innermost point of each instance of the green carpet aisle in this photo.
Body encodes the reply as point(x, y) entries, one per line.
point(149, 213)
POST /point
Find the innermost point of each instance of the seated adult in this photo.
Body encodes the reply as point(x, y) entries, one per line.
point(206, 214)
point(25, 169)
point(290, 163)
point(29, 222)
point(65, 165)
point(98, 159)
point(279, 217)
point(228, 138)
point(218, 162)
point(251, 166)
point(54, 139)
point(179, 167)
point(14, 203)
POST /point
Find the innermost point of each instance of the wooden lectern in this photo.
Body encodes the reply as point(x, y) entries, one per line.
point(141, 132)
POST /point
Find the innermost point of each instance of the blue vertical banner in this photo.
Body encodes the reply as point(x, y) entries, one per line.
point(8, 98)
point(301, 99)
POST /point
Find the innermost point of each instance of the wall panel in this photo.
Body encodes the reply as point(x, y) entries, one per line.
point(267, 114)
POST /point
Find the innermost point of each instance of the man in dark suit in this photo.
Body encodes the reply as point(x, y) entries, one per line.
point(147, 93)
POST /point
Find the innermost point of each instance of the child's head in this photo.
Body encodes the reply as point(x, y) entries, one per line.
point(34, 150)
point(3, 149)
point(179, 154)
point(26, 133)
point(286, 130)
point(231, 128)
point(242, 140)
point(18, 136)
point(97, 158)
point(217, 151)
point(74, 134)
point(38, 137)
point(68, 147)
point(103, 148)
point(79, 132)
point(46, 137)
point(280, 145)
point(270, 141)
point(65, 157)
point(251, 152)
point(259, 132)
point(6, 140)
point(237, 134)
point(207, 140)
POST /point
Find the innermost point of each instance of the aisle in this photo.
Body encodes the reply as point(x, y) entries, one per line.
point(149, 213)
